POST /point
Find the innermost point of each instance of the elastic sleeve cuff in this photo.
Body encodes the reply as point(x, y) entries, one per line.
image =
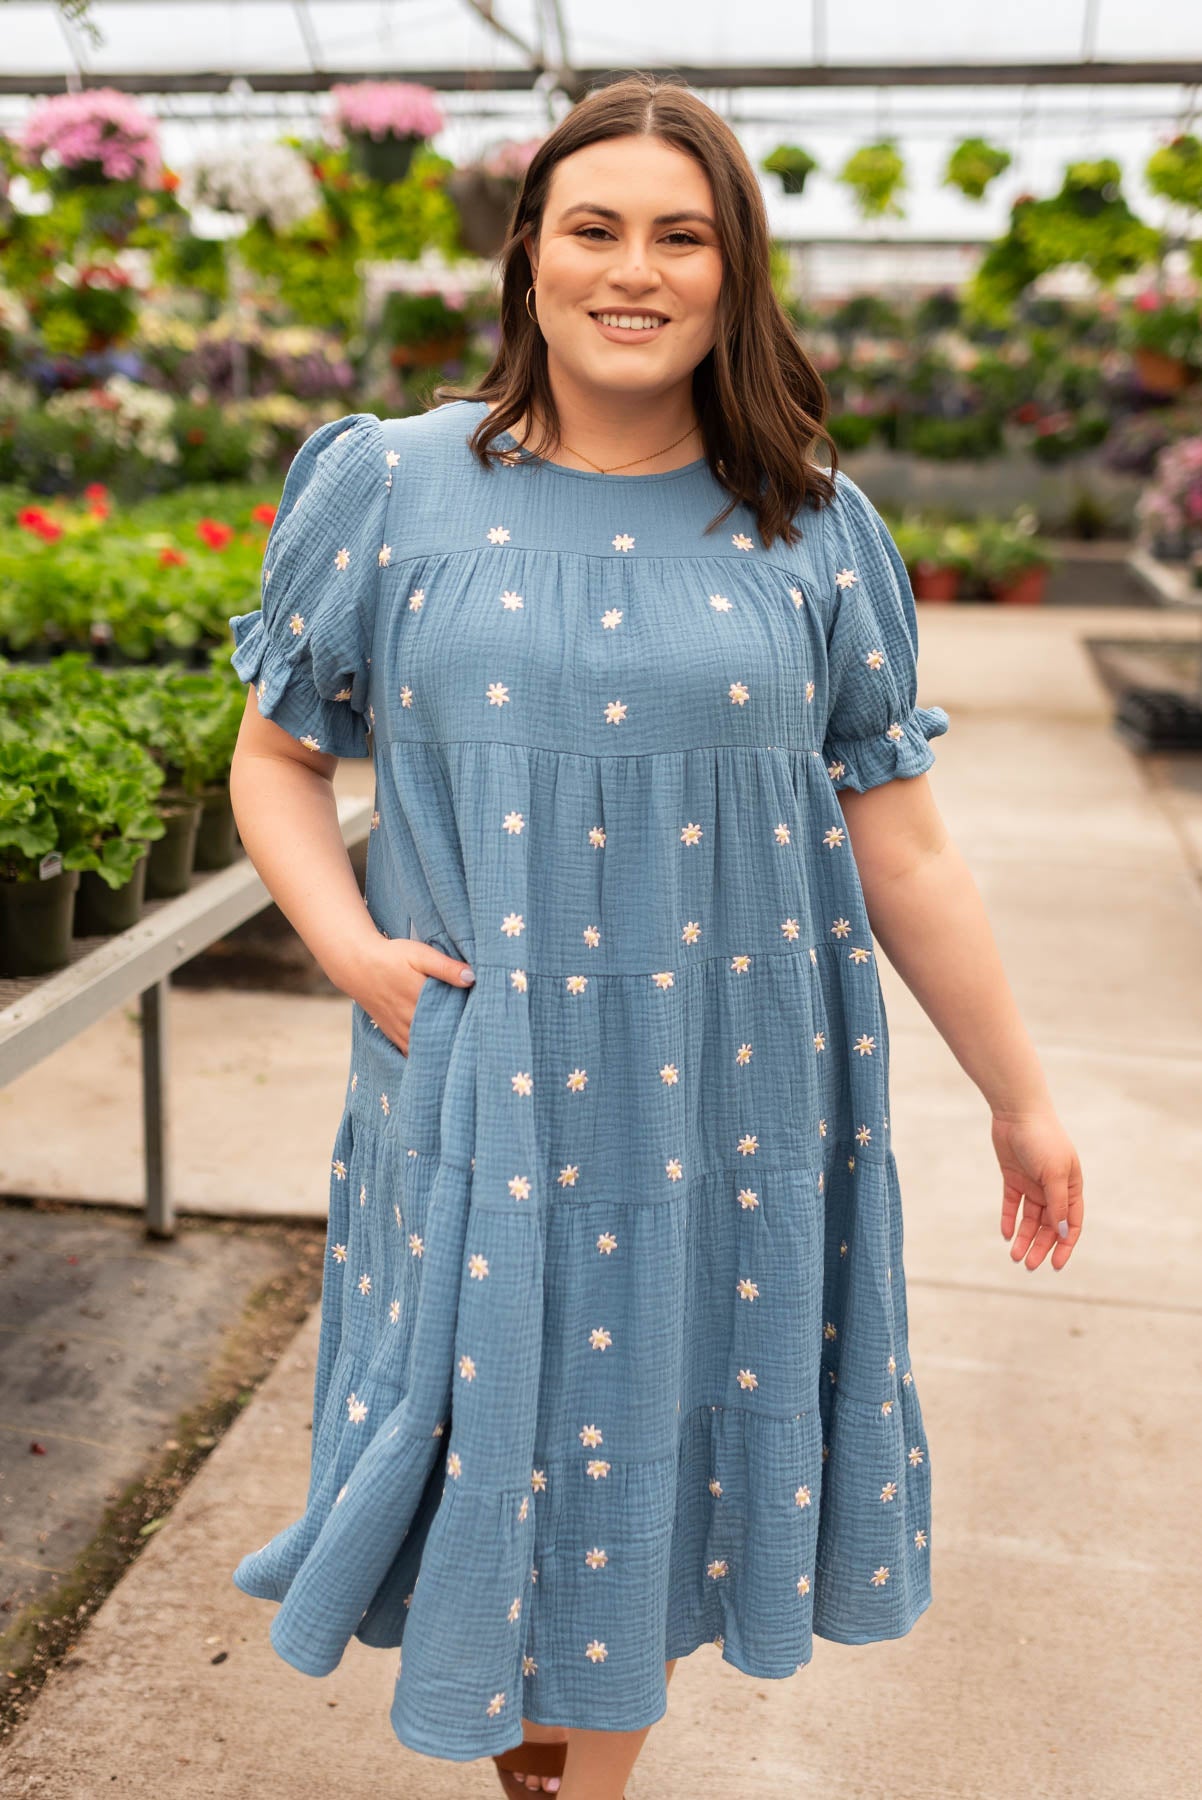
point(867, 762)
point(285, 693)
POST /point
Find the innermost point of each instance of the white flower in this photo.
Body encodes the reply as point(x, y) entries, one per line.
point(623, 541)
point(342, 558)
point(254, 181)
point(846, 578)
point(741, 541)
point(498, 534)
point(384, 555)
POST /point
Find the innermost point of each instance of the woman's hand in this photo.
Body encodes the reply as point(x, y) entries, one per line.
point(1039, 1167)
point(386, 976)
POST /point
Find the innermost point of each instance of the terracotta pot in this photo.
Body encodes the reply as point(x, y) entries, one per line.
point(935, 581)
point(1161, 374)
point(1025, 590)
point(430, 354)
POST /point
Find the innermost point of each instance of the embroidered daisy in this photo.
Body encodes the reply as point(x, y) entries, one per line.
point(623, 541)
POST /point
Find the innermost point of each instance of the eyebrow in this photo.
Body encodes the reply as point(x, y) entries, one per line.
point(608, 212)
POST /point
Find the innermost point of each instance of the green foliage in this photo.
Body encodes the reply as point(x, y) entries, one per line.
point(973, 164)
point(876, 175)
point(1087, 222)
point(419, 319)
point(314, 267)
point(792, 164)
point(1174, 171)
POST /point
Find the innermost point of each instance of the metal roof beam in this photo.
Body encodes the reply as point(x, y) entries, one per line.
point(1168, 73)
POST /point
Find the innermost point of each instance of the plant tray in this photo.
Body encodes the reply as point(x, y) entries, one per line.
point(1158, 719)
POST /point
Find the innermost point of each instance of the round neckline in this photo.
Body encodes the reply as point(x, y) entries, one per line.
point(528, 456)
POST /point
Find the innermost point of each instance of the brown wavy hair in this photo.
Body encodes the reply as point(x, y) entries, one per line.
point(760, 402)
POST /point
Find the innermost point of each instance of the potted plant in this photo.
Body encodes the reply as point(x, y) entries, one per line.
point(1174, 171)
point(1013, 559)
point(163, 717)
point(792, 164)
point(876, 175)
point(485, 193)
point(383, 122)
point(97, 135)
point(1169, 510)
point(973, 164)
point(37, 894)
point(423, 328)
point(119, 827)
point(219, 700)
point(1164, 336)
point(936, 556)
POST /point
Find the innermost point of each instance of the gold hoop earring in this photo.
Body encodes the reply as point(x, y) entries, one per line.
point(529, 314)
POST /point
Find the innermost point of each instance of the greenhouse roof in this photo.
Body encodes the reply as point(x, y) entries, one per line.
point(1052, 81)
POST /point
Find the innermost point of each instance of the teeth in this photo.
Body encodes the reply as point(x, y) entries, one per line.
point(630, 321)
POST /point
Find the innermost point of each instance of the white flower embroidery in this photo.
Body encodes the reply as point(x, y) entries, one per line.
point(296, 624)
point(365, 1284)
point(495, 1705)
point(896, 733)
point(803, 1585)
point(342, 558)
point(690, 834)
point(615, 712)
point(846, 578)
point(310, 743)
point(747, 1290)
point(865, 1044)
point(392, 458)
point(747, 1379)
point(498, 693)
point(498, 534)
point(740, 540)
point(880, 1576)
point(520, 1187)
point(836, 769)
point(748, 1144)
point(672, 1168)
point(599, 1338)
point(748, 1199)
point(417, 599)
point(356, 1409)
point(834, 837)
point(394, 1311)
point(797, 597)
point(596, 1651)
point(511, 601)
point(611, 618)
point(467, 1368)
point(623, 541)
point(802, 1497)
point(522, 1082)
point(739, 693)
point(791, 928)
point(477, 1267)
point(568, 1175)
point(669, 1074)
point(577, 1081)
point(596, 1558)
point(716, 1569)
point(339, 1253)
point(875, 659)
point(384, 555)
point(607, 1243)
point(719, 602)
point(596, 837)
point(513, 925)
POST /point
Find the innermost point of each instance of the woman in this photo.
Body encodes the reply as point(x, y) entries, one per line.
point(614, 1354)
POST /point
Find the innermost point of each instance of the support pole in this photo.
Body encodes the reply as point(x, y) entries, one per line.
point(160, 1213)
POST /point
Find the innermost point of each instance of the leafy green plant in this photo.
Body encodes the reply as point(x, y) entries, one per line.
point(420, 318)
point(973, 164)
point(1009, 548)
point(876, 174)
point(1174, 171)
point(792, 164)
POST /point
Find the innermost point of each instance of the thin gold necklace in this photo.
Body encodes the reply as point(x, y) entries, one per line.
point(634, 459)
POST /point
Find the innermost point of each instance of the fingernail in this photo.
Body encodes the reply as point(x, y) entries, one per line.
point(1062, 1227)
point(553, 1785)
point(467, 976)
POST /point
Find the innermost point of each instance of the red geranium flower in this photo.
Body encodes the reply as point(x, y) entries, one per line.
point(171, 558)
point(264, 515)
point(95, 490)
point(99, 509)
point(32, 518)
point(213, 533)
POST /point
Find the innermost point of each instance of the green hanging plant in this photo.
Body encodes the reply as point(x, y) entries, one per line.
point(1175, 171)
point(876, 175)
point(973, 164)
point(792, 164)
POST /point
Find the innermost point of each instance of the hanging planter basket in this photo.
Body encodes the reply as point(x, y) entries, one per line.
point(485, 205)
point(384, 159)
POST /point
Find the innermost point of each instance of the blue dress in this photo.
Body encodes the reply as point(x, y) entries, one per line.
point(613, 1357)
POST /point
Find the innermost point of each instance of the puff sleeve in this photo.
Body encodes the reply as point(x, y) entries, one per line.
point(308, 647)
point(874, 730)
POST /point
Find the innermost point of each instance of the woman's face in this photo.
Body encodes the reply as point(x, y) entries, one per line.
point(628, 229)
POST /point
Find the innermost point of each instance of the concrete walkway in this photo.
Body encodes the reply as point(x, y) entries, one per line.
point(1059, 1658)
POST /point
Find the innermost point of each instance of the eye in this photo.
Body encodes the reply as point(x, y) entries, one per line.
point(688, 236)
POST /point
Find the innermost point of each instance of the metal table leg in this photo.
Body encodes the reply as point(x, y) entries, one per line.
point(160, 1213)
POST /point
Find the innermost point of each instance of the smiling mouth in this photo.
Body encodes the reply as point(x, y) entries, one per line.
point(617, 321)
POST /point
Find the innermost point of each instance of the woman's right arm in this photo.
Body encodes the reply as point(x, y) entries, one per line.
point(287, 816)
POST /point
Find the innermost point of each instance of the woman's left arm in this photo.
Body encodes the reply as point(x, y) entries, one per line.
point(928, 916)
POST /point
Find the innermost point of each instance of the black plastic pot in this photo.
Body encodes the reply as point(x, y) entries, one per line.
point(217, 838)
point(172, 858)
point(100, 909)
point(382, 159)
point(35, 924)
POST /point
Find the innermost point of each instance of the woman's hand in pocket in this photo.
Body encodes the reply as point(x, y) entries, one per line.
point(388, 976)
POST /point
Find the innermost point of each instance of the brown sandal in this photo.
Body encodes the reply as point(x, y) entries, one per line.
point(531, 1759)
